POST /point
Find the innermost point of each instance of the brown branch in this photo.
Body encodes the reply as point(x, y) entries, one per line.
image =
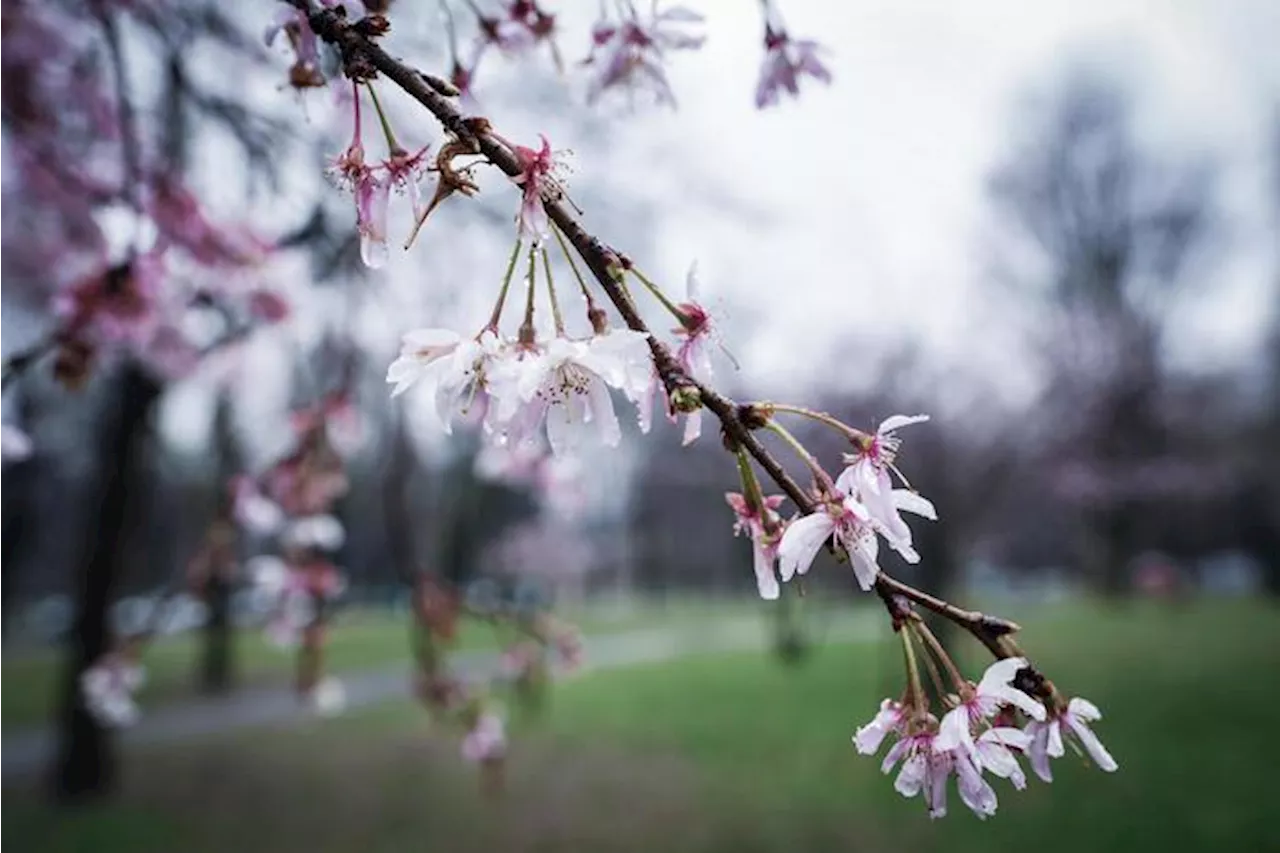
point(129, 153)
point(603, 262)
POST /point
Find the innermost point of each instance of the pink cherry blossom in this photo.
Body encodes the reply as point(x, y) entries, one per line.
point(631, 54)
point(536, 178)
point(994, 752)
point(846, 519)
point(979, 704)
point(372, 193)
point(924, 769)
point(1047, 738)
point(404, 170)
point(785, 61)
point(756, 523)
point(890, 719)
point(867, 477)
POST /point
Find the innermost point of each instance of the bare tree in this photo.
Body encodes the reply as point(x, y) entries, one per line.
point(1107, 235)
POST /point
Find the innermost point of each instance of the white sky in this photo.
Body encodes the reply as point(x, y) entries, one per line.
point(857, 212)
point(855, 216)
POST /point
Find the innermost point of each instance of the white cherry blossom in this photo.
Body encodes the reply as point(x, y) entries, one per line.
point(890, 719)
point(850, 523)
point(867, 477)
point(1047, 738)
point(566, 386)
point(980, 703)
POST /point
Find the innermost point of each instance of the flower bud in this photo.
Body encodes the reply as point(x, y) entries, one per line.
point(599, 320)
point(686, 398)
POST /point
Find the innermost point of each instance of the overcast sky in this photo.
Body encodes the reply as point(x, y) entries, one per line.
point(856, 215)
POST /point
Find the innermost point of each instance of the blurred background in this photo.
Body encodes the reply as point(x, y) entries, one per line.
point(1056, 229)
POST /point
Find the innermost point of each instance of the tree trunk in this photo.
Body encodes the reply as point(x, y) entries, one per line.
point(85, 765)
point(215, 662)
point(17, 517)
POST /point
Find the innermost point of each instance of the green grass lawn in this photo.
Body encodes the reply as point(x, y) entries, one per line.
point(360, 639)
point(734, 752)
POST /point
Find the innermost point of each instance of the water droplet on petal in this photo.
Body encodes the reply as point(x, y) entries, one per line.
point(373, 252)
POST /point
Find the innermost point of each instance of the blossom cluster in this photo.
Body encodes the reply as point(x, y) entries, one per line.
point(628, 51)
point(290, 504)
point(856, 510)
point(978, 735)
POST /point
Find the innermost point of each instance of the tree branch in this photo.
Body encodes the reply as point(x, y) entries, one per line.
point(897, 596)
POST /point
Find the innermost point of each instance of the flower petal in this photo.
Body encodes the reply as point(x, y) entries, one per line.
point(894, 422)
point(800, 543)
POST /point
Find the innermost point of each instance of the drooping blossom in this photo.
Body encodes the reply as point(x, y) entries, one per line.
point(994, 752)
point(108, 688)
point(697, 330)
point(305, 72)
point(979, 704)
point(404, 170)
point(786, 60)
point(373, 195)
point(927, 767)
point(457, 371)
point(1047, 738)
point(850, 523)
point(15, 445)
point(867, 477)
point(890, 719)
point(566, 385)
point(763, 526)
point(487, 739)
point(631, 54)
point(538, 179)
point(924, 769)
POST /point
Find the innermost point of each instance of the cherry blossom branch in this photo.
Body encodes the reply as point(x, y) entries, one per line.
point(15, 364)
point(736, 422)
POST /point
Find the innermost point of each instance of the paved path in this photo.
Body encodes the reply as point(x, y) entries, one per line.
point(28, 751)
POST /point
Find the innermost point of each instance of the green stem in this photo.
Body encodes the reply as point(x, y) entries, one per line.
point(506, 285)
point(915, 690)
point(750, 485)
point(794, 443)
point(392, 145)
point(821, 417)
point(659, 295)
point(960, 682)
point(551, 291)
point(527, 331)
point(568, 256)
